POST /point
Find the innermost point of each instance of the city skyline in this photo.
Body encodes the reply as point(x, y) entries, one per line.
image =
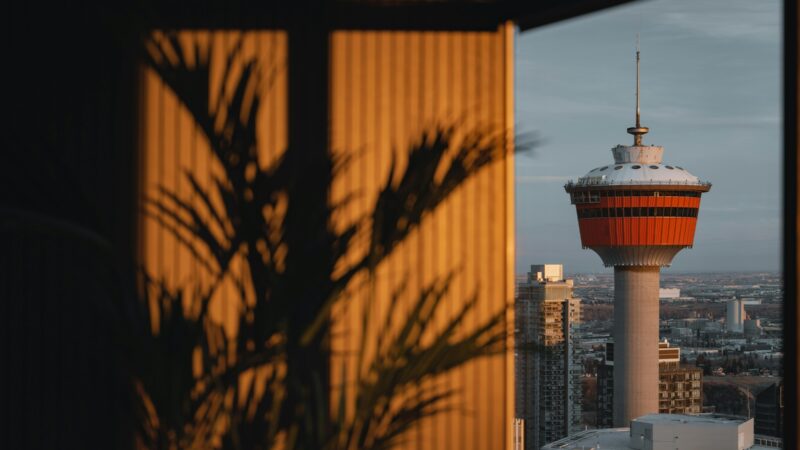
point(710, 94)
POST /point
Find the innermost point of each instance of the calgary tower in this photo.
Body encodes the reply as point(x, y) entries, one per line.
point(636, 214)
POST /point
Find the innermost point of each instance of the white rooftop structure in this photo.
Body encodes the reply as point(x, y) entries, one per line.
point(669, 293)
point(546, 273)
point(604, 439)
point(671, 431)
point(638, 165)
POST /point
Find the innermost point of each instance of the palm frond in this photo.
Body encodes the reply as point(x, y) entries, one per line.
point(407, 197)
point(385, 407)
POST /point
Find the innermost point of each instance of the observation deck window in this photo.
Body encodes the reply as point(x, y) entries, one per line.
point(594, 213)
point(583, 197)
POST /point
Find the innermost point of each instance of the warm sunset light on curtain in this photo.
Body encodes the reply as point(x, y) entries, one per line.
point(387, 89)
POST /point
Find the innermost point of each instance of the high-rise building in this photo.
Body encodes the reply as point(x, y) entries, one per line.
point(636, 214)
point(769, 411)
point(680, 389)
point(519, 434)
point(548, 369)
point(605, 389)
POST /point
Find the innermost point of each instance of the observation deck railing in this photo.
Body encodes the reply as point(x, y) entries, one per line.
point(600, 182)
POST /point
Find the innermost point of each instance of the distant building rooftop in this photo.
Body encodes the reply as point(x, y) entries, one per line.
point(608, 438)
point(668, 431)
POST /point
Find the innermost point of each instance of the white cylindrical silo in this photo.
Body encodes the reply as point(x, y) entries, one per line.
point(735, 316)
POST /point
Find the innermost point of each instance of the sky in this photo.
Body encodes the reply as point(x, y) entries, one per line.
point(711, 95)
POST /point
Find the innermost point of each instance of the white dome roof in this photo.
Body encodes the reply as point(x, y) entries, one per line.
point(635, 173)
point(638, 165)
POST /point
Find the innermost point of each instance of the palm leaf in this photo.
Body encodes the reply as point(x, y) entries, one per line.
point(384, 407)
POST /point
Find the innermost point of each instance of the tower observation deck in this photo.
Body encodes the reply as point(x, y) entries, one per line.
point(636, 214)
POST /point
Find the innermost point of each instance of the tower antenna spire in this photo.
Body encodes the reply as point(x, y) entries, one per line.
point(637, 81)
point(638, 130)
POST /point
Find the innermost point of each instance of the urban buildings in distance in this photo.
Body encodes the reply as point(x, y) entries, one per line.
point(680, 388)
point(735, 366)
point(548, 365)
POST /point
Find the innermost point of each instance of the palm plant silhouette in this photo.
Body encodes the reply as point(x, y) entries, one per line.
point(274, 390)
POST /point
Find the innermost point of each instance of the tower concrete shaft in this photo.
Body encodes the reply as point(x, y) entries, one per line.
point(635, 342)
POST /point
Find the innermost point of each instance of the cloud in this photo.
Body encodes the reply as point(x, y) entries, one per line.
point(749, 20)
point(758, 21)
